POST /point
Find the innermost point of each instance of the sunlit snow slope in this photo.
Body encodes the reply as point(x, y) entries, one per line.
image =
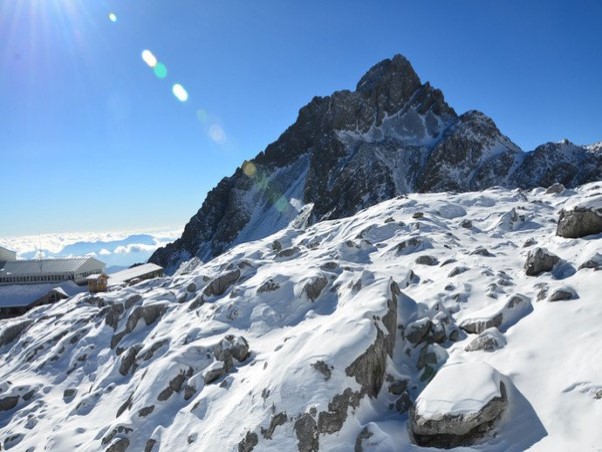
point(323, 338)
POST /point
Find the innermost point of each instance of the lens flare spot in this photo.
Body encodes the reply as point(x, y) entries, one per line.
point(180, 93)
point(249, 169)
point(202, 115)
point(281, 204)
point(112, 17)
point(149, 58)
point(217, 134)
point(160, 70)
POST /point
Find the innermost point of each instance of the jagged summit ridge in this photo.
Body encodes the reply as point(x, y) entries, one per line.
point(353, 149)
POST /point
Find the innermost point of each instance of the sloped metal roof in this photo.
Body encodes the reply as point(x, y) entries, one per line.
point(44, 266)
point(131, 273)
point(20, 295)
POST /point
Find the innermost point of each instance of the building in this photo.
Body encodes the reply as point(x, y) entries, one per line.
point(7, 255)
point(17, 299)
point(98, 282)
point(49, 270)
point(101, 282)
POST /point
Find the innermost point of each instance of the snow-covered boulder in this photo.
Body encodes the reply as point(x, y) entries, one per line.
point(582, 220)
point(489, 340)
point(500, 315)
point(460, 406)
point(540, 260)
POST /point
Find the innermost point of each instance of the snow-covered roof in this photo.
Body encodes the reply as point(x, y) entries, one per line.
point(45, 266)
point(131, 273)
point(20, 295)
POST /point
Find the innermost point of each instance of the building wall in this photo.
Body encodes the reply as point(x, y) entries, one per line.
point(7, 255)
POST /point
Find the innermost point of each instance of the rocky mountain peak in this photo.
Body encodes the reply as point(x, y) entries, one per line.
point(393, 135)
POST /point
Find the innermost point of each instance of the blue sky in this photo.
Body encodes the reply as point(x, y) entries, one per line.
point(92, 140)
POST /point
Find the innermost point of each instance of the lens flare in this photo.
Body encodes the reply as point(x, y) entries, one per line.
point(112, 17)
point(160, 70)
point(202, 115)
point(249, 169)
point(180, 93)
point(217, 134)
point(281, 204)
point(149, 58)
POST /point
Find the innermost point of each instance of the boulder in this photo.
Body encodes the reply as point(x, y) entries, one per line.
point(593, 262)
point(448, 414)
point(582, 220)
point(426, 260)
point(500, 315)
point(489, 340)
point(220, 284)
point(563, 293)
point(314, 288)
point(540, 260)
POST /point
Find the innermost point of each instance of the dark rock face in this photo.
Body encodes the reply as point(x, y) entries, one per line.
point(248, 443)
point(354, 149)
point(540, 260)
point(582, 220)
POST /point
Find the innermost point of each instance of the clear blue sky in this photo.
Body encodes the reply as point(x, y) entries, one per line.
point(92, 140)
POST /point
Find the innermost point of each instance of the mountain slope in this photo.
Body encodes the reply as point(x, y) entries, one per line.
point(353, 149)
point(323, 336)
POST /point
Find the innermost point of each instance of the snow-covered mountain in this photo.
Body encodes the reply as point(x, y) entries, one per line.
point(462, 313)
point(351, 150)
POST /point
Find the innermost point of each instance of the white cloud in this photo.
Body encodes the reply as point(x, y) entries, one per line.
point(104, 252)
point(134, 248)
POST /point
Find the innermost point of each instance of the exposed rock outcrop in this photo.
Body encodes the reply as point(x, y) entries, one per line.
point(582, 220)
point(540, 260)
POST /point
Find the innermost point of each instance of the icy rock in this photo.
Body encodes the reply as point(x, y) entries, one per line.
point(365, 434)
point(448, 414)
point(403, 403)
point(412, 245)
point(466, 224)
point(129, 359)
point(248, 443)
point(314, 288)
point(11, 332)
point(277, 420)
point(555, 189)
point(563, 293)
point(214, 371)
point(426, 260)
point(120, 445)
point(482, 251)
point(323, 368)
point(582, 220)
point(8, 403)
point(593, 262)
point(231, 347)
point(268, 286)
point(540, 260)
point(458, 270)
point(516, 307)
point(416, 332)
point(489, 340)
point(191, 287)
point(287, 253)
point(220, 284)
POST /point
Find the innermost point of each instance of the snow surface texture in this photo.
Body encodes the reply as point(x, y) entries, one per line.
point(163, 365)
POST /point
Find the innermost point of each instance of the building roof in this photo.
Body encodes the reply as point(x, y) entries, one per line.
point(21, 295)
point(131, 273)
point(44, 266)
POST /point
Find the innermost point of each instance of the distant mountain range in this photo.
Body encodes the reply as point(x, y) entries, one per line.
point(391, 136)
